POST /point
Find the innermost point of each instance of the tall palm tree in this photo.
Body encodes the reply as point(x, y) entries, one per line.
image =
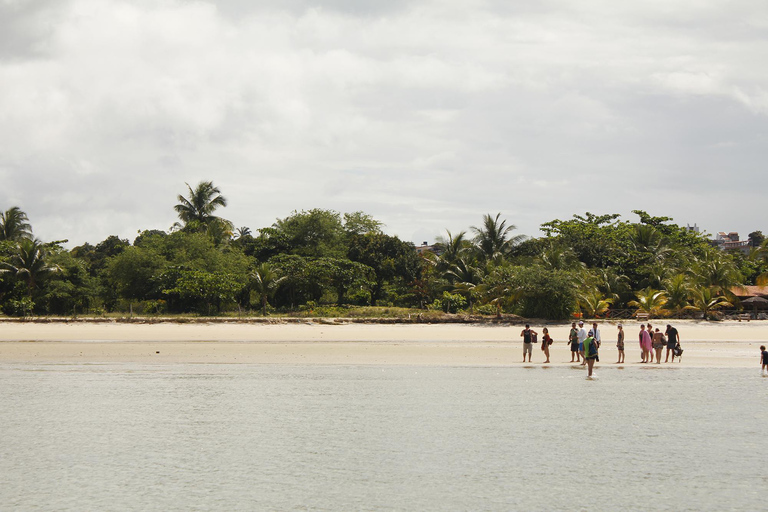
point(492, 238)
point(14, 225)
point(452, 247)
point(197, 210)
point(265, 281)
point(28, 263)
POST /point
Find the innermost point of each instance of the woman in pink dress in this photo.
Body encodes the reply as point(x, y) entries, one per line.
point(645, 344)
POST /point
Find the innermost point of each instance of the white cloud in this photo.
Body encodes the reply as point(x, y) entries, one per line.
point(425, 114)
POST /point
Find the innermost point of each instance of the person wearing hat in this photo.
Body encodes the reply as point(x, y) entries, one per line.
point(620, 344)
point(582, 335)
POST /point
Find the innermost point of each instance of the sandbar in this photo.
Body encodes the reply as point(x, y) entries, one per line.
point(727, 344)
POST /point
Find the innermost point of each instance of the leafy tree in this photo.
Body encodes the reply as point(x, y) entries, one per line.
point(756, 238)
point(598, 240)
point(314, 233)
point(541, 293)
point(14, 225)
point(131, 273)
point(360, 223)
point(213, 289)
point(392, 260)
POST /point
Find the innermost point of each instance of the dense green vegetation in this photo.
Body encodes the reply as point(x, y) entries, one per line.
point(326, 263)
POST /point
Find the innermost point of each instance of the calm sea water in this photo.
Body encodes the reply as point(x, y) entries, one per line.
point(262, 437)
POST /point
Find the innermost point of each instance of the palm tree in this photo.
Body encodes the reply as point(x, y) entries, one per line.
point(28, 263)
point(650, 242)
point(265, 282)
point(649, 300)
point(705, 299)
point(678, 289)
point(196, 211)
point(243, 231)
point(452, 247)
point(557, 257)
point(594, 303)
point(14, 225)
point(715, 271)
point(464, 279)
point(492, 239)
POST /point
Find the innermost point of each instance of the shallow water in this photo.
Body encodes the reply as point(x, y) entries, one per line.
point(261, 437)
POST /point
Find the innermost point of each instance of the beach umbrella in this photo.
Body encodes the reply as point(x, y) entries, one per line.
point(756, 302)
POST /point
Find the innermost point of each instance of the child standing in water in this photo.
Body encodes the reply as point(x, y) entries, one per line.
point(620, 344)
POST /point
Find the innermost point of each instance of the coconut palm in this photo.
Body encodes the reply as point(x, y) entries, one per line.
point(28, 263)
point(649, 300)
point(243, 231)
point(464, 278)
point(650, 242)
point(265, 281)
point(678, 289)
point(196, 211)
point(557, 257)
point(14, 225)
point(452, 247)
point(716, 271)
point(492, 238)
point(594, 303)
point(705, 299)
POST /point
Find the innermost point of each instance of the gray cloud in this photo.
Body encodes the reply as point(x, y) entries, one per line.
point(424, 114)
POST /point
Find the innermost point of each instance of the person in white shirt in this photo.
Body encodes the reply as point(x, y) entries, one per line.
point(582, 335)
point(596, 333)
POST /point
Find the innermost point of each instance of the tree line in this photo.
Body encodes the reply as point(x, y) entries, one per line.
point(590, 264)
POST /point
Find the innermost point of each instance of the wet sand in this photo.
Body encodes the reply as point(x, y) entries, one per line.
point(706, 344)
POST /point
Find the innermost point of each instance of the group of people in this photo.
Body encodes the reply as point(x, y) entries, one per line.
point(585, 343)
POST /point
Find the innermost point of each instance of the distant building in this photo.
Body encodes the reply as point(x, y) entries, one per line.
point(693, 229)
point(425, 247)
point(730, 242)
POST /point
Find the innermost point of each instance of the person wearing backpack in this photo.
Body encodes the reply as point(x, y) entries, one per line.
point(590, 353)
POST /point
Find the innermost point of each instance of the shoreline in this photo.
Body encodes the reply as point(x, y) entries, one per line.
point(706, 345)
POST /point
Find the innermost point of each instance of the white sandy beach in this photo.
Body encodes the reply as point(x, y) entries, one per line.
point(706, 344)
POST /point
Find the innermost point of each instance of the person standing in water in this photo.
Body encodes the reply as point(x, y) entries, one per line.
point(645, 344)
point(673, 338)
point(546, 341)
point(590, 353)
point(658, 344)
point(581, 335)
point(764, 359)
point(620, 344)
point(527, 335)
point(573, 339)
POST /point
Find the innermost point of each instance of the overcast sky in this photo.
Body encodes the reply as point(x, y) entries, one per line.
point(424, 114)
